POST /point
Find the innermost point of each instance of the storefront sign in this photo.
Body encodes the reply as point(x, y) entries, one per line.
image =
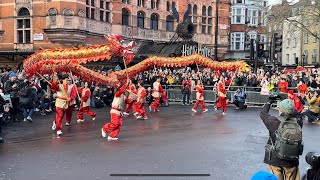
point(38, 36)
point(204, 51)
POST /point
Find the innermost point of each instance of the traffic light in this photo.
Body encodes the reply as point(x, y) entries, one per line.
point(260, 50)
point(277, 39)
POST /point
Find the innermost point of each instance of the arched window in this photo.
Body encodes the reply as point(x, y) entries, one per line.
point(195, 10)
point(209, 11)
point(125, 17)
point(23, 26)
point(195, 13)
point(168, 5)
point(140, 22)
point(126, 1)
point(169, 23)
point(204, 11)
point(154, 21)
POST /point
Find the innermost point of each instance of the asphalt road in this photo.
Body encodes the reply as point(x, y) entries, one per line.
point(173, 141)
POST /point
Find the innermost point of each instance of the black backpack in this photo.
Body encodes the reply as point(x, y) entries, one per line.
point(288, 144)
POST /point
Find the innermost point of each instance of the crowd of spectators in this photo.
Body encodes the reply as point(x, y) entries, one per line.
point(30, 95)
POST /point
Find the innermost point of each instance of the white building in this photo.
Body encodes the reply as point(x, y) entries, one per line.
point(291, 42)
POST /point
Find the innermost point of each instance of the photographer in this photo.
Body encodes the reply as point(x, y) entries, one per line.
point(12, 87)
point(282, 157)
point(313, 110)
point(240, 99)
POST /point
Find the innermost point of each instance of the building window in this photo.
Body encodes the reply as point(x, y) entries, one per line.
point(169, 23)
point(195, 14)
point(314, 56)
point(237, 41)
point(252, 17)
point(90, 9)
point(168, 6)
point(104, 11)
point(154, 22)
point(125, 17)
point(305, 38)
point(315, 35)
point(204, 11)
point(250, 35)
point(295, 42)
point(287, 55)
point(141, 3)
point(23, 26)
point(238, 16)
point(295, 58)
point(209, 11)
point(126, 1)
point(305, 60)
point(263, 18)
point(209, 29)
point(140, 22)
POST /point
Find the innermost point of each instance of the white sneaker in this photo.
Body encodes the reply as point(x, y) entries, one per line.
point(78, 121)
point(67, 124)
point(59, 132)
point(136, 114)
point(25, 120)
point(29, 118)
point(124, 113)
point(215, 108)
point(194, 110)
point(206, 110)
point(103, 133)
point(157, 110)
point(93, 118)
point(139, 117)
point(37, 110)
point(54, 126)
point(112, 139)
point(224, 113)
point(146, 118)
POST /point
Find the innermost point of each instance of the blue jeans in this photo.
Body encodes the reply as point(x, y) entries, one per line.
point(44, 106)
point(28, 110)
point(186, 97)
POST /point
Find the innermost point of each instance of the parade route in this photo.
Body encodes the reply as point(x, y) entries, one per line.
point(172, 141)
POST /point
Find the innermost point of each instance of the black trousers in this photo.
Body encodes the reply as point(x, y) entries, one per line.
point(15, 108)
point(240, 105)
point(311, 115)
point(186, 97)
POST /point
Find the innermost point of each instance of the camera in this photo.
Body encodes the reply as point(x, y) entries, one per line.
point(313, 159)
point(313, 172)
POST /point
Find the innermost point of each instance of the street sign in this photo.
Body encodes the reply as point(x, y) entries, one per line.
point(38, 36)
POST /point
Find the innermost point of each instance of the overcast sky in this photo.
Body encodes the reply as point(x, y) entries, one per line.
point(272, 2)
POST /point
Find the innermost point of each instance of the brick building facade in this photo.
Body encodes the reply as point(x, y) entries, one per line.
point(29, 25)
point(248, 21)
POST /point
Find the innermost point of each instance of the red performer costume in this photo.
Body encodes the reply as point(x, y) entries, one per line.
point(297, 104)
point(116, 115)
point(157, 91)
point(85, 104)
point(64, 103)
point(302, 88)
point(200, 98)
point(222, 96)
point(131, 99)
point(72, 92)
point(283, 86)
point(139, 104)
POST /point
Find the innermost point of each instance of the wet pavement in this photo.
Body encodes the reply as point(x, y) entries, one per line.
point(173, 141)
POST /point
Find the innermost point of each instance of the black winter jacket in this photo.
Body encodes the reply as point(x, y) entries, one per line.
point(272, 124)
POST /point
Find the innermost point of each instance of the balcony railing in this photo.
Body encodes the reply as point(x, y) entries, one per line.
point(147, 34)
point(80, 23)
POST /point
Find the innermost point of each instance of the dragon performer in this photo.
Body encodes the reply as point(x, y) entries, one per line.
point(71, 60)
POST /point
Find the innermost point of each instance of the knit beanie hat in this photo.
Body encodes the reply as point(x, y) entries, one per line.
point(12, 74)
point(286, 107)
point(263, 175)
